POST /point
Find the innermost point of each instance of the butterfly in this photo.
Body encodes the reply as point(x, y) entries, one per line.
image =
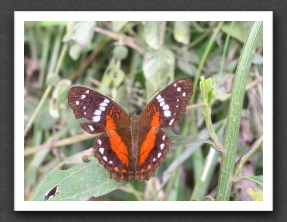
point(131, 147)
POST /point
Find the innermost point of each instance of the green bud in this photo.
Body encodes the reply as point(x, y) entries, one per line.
point(120, 52)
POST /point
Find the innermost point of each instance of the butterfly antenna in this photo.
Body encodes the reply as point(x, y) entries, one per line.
point(148, 100)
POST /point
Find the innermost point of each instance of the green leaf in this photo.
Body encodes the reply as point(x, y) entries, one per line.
point(157, 66)
point(181, 32)
point(77, 178)
point(187, 60)
point(256, 179)
point(151, 34)
point(82, 35)
point(117, 25)
point(240, 30)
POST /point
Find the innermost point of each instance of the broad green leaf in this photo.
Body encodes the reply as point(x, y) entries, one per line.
point(158, 66)
point(82, 35)
point(117, 25)
point(118, 76)
point(181, 32)
point(151, 34)
point(256, 179)
point(240, 30)
point(77, 178)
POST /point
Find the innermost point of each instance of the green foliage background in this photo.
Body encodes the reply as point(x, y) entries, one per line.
point(130, 61)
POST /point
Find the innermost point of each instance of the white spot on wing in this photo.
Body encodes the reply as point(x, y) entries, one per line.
point(83, 97)
point(160, 100)
point(102, 108)
point(101, 150)
point(85, 113)
point(178, 89)
point(111, 162)
point(162, 103)
point(177, 100)
point(171, 122)
point(161, 146)
point(99, 142)
point(77, 102)
point(167, 113)
point(163, 137)
point(103, 104)
point(174, 85)
point(158, 155)
point(184, 94)
point(84, 107)
point(154, 159)
point(87, 91)
point(98, 112)
point(91, 128)
point(158, 97)
point(165, 107)
point(176, 106)
point(106, 101)
point(105, 158)
point(96, 118)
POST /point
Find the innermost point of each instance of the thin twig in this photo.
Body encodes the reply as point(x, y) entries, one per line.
point(58, 143)
point(129, 41)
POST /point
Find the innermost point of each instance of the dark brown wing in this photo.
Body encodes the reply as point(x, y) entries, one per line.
point(104, 113)
point(166, 109)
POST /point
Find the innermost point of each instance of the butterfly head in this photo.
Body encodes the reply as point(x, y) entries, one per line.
point(134, 118)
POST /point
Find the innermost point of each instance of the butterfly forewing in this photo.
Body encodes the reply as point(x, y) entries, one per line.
point(166, 109)
point(104, 113)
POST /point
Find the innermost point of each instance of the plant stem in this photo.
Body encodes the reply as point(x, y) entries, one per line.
point(233, 120)
point(247, 155)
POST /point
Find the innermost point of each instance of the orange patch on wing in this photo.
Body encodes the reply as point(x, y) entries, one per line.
point(124, 171)
point(148, 110)
point(119, 147)
point(117, 115)
point(116, 169)
point(110, 123)
point(143, 170)
point(147, 145)
point(149, 167)
point(154, 108)
point(112, 110)
point(155, 120)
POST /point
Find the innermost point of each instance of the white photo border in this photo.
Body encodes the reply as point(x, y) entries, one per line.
point(20, 17)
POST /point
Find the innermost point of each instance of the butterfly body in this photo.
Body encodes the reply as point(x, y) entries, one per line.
point(131, 147)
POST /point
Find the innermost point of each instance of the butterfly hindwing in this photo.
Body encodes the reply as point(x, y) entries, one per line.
point(153, 147)
point(112, 149)
point(104, 113)
point(166, 109)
